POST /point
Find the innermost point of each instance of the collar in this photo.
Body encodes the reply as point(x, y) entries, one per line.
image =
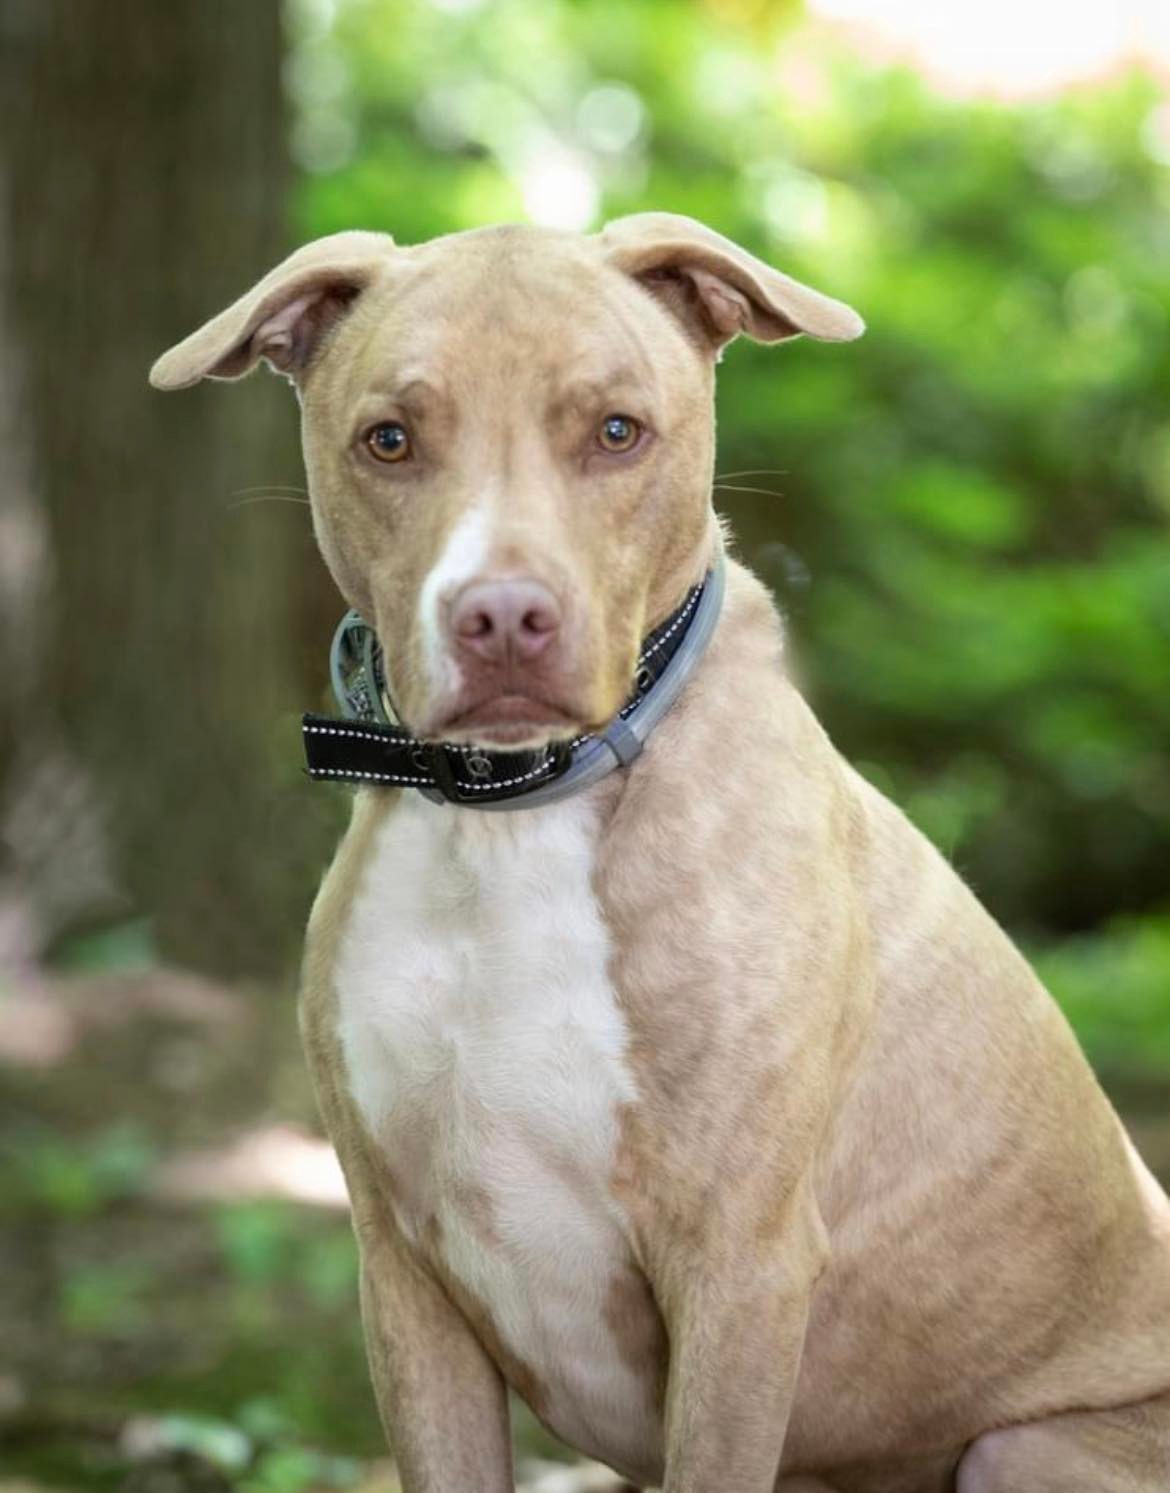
point(366, 747)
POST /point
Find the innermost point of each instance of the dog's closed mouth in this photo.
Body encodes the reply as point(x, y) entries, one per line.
point(506, 720)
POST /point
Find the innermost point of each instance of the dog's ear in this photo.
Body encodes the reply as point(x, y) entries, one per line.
point(716, 288)
point(283, 316)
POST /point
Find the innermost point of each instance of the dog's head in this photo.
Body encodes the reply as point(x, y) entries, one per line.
point(509, 441)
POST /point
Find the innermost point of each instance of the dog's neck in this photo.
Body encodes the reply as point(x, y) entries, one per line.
point(365, 749)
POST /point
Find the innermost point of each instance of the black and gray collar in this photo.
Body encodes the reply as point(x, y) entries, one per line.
point(365, 747)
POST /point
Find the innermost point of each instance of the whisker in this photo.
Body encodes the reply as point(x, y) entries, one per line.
point(271, 487)
point(269, 497)
point(768, 492)
point(754, 472)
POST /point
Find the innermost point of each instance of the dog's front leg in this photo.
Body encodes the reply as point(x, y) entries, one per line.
point(736, 1321)
point(442, 1401)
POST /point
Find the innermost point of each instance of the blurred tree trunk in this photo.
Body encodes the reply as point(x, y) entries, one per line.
point(142, 157)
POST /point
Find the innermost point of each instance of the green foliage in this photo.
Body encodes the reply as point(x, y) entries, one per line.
point(119, 947)
point(228, 1335)
point(44, 1170)
point(294, 1469)
point(100, 1298)
point(257, 1240)
point(968, 509)
point(217, 1442)
point(265, 1243)
point(1115, 989)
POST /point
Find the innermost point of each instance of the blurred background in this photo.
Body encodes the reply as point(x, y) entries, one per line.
point(964, 518)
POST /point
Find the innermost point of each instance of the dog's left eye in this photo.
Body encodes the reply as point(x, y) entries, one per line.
point(619, 433)
point(388, 441)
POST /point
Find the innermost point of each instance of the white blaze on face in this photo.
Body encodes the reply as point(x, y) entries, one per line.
point(463, 558)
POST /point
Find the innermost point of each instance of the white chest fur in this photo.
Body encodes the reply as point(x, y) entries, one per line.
point(484, 1048)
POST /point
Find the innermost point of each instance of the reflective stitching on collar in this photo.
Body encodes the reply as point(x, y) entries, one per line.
point(523, 777)
point(344, 731)
point(377, 777)
point(674, 626)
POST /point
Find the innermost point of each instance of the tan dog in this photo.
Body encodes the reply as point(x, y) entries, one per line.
point(706, 1108)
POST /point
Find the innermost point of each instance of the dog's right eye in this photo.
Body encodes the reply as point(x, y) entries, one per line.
point(619, 433)
point(388, 441)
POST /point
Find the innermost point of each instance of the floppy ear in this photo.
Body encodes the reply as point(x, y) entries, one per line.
point(282, 317)
point(718, 289)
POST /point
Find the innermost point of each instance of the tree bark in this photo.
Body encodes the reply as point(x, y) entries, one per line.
point(144, 172)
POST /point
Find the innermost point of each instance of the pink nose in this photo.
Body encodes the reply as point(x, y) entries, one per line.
point(505, 621)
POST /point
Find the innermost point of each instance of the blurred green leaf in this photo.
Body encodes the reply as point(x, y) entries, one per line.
point(44, 1169)
point(257, 1240)
point(120, 948)
point(1115, 989)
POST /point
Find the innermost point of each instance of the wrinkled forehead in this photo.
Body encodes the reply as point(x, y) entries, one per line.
point(481, 316)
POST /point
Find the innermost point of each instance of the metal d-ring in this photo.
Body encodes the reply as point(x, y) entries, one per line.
point(479, 767)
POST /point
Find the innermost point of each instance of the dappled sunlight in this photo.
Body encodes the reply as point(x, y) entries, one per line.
point(1006, 48)
point(44, 1014)
point(37, 1030)
point(558, 188)
point(552, 1477)
point(273, 1161)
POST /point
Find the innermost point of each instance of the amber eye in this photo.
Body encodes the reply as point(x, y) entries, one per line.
point(619, 433)
point(388, 441)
